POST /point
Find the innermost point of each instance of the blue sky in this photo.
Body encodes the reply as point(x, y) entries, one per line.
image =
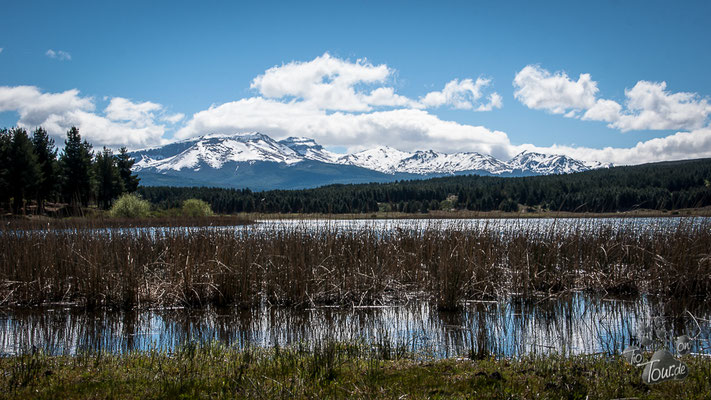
point(126, 72)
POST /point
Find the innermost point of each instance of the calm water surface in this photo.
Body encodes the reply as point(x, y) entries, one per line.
point(498, 225)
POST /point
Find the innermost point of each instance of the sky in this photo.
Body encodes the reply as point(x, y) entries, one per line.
point(624, 82)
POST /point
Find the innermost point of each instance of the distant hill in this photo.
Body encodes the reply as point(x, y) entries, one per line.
point(657, 186)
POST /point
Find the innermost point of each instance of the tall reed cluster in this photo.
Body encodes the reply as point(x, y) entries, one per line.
point(299, 267)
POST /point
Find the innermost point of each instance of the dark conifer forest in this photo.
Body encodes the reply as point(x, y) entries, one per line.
point(658, 186)
point(33, 172)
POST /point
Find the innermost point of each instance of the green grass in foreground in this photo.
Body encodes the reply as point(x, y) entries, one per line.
point(332, 371)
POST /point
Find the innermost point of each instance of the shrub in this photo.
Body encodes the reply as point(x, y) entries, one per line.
point(196, 208)
point(130, 206)
point(508, 205)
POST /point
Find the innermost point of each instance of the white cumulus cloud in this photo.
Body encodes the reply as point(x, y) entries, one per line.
point(385, 96)
point(59, 55)
point(648, 105)
point(35, 107)
point(123, 122)
point(603, 110)
point(463, 95)
point(326, 82)
point(173, 118)
point(556, 93)
point(120, 109)
point(331, 83)
point(495, 101)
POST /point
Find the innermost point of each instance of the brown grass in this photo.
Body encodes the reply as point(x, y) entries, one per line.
point(299, 267)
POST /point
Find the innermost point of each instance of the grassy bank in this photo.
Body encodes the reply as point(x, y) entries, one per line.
point(333, 370)
point(302, 267)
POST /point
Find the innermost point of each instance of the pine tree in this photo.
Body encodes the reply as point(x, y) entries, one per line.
point(5, 141)
point(24, 170)
point(77, 170)
point(125, 163)
point(46, 153)
point(108, 180)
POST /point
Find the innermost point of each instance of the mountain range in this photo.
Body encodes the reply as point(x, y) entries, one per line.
point(256, 161)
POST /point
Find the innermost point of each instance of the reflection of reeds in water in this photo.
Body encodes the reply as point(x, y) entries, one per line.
point(314, 267)
point(570, 325)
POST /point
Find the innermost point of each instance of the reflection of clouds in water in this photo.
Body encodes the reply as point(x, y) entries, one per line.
point(577, 325)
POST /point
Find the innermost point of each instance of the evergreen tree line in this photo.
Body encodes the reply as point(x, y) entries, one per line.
point(658, 186)
point(33, 171)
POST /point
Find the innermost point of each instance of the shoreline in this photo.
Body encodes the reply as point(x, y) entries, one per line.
point(247, 218)
point(696, 212)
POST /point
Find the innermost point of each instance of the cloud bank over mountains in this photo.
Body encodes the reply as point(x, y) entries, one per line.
point(355, 104)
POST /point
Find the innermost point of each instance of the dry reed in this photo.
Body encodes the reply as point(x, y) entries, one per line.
point(126, 268)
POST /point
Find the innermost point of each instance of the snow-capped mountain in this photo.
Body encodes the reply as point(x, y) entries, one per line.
point(390, 161)
point(257, 161)
point(382, 158)
point(215, 150)
point(547, 164)
point(422, 161)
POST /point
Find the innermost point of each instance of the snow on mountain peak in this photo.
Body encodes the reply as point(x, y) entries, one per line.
point(380, 158)
point(424, 162)
point(215, 150)
point(309, 149)
point(389, 160)
point(545, 163)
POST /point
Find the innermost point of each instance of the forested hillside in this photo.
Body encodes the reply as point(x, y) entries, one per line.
point(659, 186)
